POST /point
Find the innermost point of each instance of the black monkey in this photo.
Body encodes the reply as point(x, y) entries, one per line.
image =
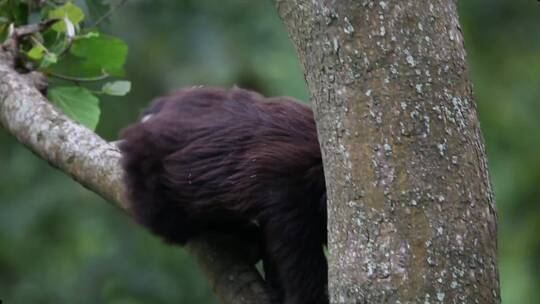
point(211, 158)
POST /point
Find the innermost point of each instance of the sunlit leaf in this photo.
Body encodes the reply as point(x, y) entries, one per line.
point(117, 88)
point(70, 11)
point(36, 52)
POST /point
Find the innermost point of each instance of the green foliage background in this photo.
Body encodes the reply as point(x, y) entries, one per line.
point(59, 243)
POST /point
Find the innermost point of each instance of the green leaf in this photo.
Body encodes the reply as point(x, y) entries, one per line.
point(3, 32)
point(59, 46)
point(107, 52)
point(14, 12)
point(72, 12)
point(48, 59)
point(74, 66)
point(78, 103)
point(19, 12)
point(117, 88)
point(36, 52)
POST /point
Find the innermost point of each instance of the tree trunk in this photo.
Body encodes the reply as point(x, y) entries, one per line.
point(411, 213)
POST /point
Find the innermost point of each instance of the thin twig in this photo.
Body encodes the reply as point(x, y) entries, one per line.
point(108, 13)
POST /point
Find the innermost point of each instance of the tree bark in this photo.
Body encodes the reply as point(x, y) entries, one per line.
point(411, 215)
point(94, 163)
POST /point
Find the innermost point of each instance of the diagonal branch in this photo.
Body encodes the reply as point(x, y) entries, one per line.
point(94, 163)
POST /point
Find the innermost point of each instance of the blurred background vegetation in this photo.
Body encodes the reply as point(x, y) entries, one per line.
point(60, 243)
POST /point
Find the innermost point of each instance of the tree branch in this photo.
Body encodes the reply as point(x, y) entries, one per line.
point(34, 28)
point(94, 163)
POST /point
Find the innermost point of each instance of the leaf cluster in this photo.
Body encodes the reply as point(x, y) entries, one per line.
point(81, 61)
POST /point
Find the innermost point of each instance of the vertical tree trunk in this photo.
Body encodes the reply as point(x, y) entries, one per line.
point(411, 213)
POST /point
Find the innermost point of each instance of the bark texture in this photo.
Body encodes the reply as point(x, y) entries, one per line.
point(411, 213)
point(94, 163)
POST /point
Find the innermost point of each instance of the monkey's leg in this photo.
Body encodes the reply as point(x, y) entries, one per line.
point(294, 246)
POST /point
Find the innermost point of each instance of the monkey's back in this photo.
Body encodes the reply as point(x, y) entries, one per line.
point(204, 153)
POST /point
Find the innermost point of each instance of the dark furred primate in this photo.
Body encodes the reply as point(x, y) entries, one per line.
point(210, 158)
